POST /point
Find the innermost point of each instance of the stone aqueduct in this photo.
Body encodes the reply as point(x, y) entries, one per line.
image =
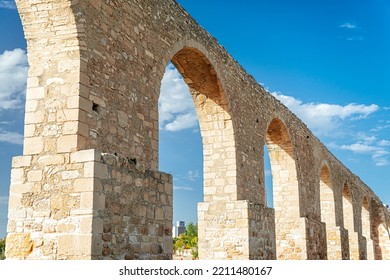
point(88, 184)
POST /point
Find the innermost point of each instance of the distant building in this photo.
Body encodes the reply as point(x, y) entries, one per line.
point(179, 228)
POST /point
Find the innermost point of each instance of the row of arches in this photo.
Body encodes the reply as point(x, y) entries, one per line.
point(343, 232)
point(290, 226)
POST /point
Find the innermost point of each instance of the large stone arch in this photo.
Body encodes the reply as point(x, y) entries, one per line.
point(350, 222)
point(368, 246)
point(328, 213)
point(195, 65)
point(289, 226)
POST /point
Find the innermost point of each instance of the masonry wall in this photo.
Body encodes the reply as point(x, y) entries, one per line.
point(92, 108)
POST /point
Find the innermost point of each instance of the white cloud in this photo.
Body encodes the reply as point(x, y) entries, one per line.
point(11, 137)
point(360, 148)
point(348, 25)
point(7, 5)
point(13, 76)
point(378, 153)
point(183, 188)
point(323, 118)
point(176, 107)
point(380, 127)
point(384, 143)
point(180, 122)
point(193, 175)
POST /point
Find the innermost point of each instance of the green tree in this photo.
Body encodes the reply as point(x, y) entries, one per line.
point(2, 249)
point(188, 240)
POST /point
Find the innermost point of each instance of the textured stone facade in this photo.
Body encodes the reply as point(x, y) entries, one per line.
point(88, 185)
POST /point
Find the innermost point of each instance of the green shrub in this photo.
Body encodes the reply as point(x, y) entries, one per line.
point(188, 240)
point(2, 249)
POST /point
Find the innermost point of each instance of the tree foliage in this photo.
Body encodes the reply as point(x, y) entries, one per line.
point(187, 240)
point(2, 249)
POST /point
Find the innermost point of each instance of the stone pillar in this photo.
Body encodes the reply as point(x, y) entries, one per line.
point(51, 209)
point(223, 230)
point(47, 199)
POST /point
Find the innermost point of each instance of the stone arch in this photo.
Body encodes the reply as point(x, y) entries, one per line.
point(349, 223)
point(216, 128)
point(328, 213)
point(366, 229)
point(289, 226)
point(214, 117)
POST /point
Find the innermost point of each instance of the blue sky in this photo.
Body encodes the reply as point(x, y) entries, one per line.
point(328, 61)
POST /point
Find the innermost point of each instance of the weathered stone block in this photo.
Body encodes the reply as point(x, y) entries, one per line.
point(33, 145)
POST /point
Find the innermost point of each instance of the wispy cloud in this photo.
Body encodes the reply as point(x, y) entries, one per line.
point(183, 188)
point(7, 5)
point(351, 32)
point(193, 175)
point(323, 118)
point(370, 145)
point(380, 127)
point(11, 137)
point(354, 38)
point(348, 25)
point(176, 107)
point(13, 77)
point(378, 153)
point(384, 143)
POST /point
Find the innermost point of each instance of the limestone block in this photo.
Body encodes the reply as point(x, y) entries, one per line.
point(34, 176)
point(84, 156)
point(67, 143)
point(20, 188)
point(77, 245)
point(101, 171)
point(83, 185)
point(51, 159)
point(89, 169)
point(33, 145)
point(31, 105)
point(17, 176)
point(71, 174)
point(19, 245)
point(86, 201)
point(21, 161)
point(70, 128)
point(34, 117)
point(35, 93)
point(32, 82)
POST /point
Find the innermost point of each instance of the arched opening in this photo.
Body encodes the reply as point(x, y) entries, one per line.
point(366, 229)
point(348, 214)
point(180, 149)
point(216, 135)
point(328, 215)
point(289, 226)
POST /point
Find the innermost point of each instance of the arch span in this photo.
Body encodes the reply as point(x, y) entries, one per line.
point(328, 214)
point(289, 226)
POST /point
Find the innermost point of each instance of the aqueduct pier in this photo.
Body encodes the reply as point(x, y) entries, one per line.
point(88, 184)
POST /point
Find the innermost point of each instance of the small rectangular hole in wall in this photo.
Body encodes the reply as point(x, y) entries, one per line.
point(95, 107)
